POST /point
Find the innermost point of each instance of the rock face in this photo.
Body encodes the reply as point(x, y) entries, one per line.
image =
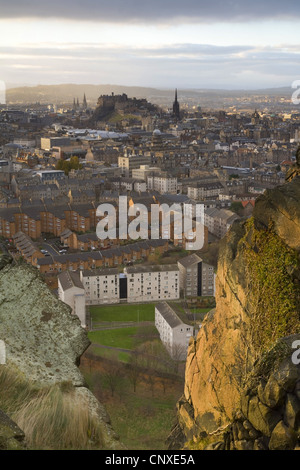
point(256, 317)
point(11, 436)
point(44, 341)
point(42, 338)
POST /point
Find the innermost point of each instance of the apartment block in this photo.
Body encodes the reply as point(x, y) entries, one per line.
point(130, 163)
point(219, 221)
point(152, 283)
point(112, 286)
point(72, 293)
point(202, 191)
point(162, 184)
point(196, 277)
point(174, 334)
point(101, 286)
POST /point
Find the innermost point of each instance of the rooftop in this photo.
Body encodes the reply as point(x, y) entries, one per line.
point(69, 279)
point(100, 272)
point(168, 314)
point(151, 269)
point(190, 260)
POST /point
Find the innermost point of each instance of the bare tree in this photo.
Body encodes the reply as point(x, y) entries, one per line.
point(113, 377)
point(151, 379)
point(133, 370)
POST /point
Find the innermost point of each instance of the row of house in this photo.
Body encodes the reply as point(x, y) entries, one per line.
point(109, 258)
point(44, 218)
point(202, 191)
point(85, 241)
point(138, 283)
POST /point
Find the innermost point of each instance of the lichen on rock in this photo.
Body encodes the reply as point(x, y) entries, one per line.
point(43, 346)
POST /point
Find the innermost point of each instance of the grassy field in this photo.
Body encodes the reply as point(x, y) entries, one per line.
point(123, 313)
point(144, 415)
point(124, 337)
point(143, 419)
point(143, 422)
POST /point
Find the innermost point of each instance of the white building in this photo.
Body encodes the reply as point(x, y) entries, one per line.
point(109, 286)
point(152, 283)
point(219, 221)
point(72, 293)
point(202, 191)
point(162, 184)
point(128, 163)
point(174, 334)
point(144, 171)
point(101, 286)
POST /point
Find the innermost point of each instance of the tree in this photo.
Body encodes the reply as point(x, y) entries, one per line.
point(151, 378)
point(113, 376)
point(68, 165)
point(237, 207)
point(133, 370)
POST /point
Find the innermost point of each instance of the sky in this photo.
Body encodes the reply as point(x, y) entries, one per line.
point(229, 44)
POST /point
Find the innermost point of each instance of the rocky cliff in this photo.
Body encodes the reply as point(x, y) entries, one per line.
point(43, 345)
point(241, 386)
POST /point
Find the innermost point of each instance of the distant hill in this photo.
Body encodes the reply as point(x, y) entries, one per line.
point(65, 93)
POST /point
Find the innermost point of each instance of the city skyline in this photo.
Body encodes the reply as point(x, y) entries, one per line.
point(222, 45)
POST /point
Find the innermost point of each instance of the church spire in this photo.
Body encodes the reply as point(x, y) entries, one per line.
point(84, 104)
point(176, 107)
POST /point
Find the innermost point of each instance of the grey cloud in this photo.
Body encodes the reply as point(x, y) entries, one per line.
point(152, 11)
point(184, 65)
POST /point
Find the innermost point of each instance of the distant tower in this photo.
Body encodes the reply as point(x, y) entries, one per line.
point(74, 104)
point(176, 107)
point(77, 104)
point(255, 119)
point(89, 157)
point(84, 104)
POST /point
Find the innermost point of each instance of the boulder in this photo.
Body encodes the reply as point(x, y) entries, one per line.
point(292, 412)
point(11, 436)
point(282, 438)
point(42, 338)
point(262, 418)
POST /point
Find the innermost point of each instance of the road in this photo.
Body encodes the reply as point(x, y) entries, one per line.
point(51, 250)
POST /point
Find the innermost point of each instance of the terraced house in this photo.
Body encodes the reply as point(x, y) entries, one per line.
point(34, 220)
point(103, 258)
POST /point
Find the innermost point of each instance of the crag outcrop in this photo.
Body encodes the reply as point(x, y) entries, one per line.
point(241, 386)
point(43, 346)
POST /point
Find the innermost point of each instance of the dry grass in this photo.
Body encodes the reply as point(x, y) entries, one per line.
point(52, 417)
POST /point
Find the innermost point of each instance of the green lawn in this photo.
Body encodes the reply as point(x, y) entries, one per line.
point(200, 310)
point(144, 419)
point(143, 422)
point(123, 313)
point(118, 338)
point(124, 338)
